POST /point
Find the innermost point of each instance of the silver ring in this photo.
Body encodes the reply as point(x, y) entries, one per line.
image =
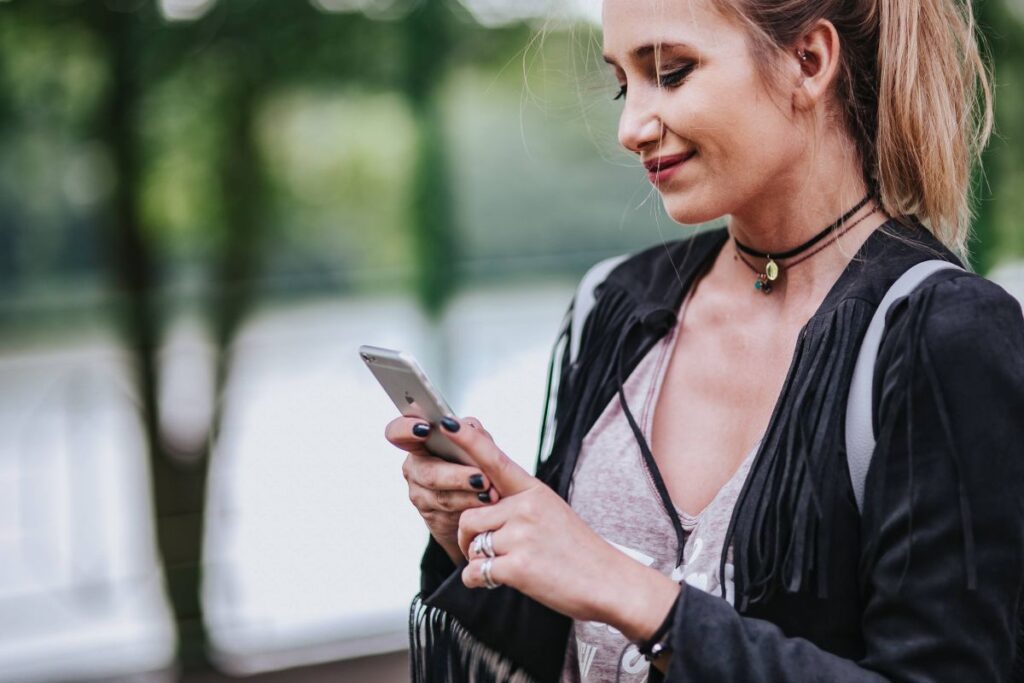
point(483, 544)
point(485, 570)
point(487, 544)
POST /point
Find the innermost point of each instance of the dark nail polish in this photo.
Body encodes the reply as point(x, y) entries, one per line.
point(484, 496)
point(421, 429)
point(450, 424)
point(477, 481)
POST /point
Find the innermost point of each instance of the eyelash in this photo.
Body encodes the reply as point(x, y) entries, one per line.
point(667, 80)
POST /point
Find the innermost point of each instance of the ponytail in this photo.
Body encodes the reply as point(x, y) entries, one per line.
point(914, 91)
point(934, 113)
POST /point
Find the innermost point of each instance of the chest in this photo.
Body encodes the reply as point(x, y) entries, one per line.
point(722, 381)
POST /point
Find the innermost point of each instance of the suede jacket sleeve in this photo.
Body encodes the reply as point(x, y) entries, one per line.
point(942, 532)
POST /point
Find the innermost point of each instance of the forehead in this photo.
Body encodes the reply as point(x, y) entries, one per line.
point(629, 25)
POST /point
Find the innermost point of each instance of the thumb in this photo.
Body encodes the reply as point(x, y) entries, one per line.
point(506, 476)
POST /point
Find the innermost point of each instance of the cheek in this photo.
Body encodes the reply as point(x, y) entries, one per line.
point(726, 109)
point(742, 141)
point(743, 152)
point(745, 139)
point(773, 148)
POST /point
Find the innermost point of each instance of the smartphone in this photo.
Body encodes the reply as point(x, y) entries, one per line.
point(412, 393)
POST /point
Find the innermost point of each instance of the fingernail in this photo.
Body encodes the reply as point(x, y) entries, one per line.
point(450, 424)
point(477, 481)
point(421, 429)
point(484, 496)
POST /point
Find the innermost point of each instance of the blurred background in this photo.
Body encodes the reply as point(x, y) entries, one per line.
point(206, 206)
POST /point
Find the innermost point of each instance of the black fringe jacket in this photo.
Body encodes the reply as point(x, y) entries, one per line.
point(925, 585)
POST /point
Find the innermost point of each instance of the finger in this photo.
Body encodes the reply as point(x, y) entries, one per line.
point(474, 522)
point(508, 477)
point(501, 544)
point(428, 500)
point(501, 572)
point(407, 432)
point(436, 474)
point(476, 424)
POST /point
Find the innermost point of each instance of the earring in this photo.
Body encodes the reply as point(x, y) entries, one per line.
point(802, 54)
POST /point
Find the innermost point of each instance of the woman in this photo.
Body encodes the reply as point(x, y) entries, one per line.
point(694, 508)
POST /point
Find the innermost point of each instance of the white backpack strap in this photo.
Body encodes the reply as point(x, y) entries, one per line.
point(585, 298)
point(575, 318)
point(860, 434)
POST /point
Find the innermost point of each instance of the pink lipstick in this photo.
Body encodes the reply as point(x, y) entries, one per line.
point(661, 169)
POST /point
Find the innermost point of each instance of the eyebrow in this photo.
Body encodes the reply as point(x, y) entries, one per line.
point(645, 51)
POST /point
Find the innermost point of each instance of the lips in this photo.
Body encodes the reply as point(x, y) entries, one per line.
point(664, 163)
point(661, 169)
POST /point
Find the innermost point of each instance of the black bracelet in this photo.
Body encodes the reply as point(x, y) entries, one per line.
point(655, 646)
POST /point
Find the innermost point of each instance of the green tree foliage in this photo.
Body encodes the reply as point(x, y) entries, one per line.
point(999, 236)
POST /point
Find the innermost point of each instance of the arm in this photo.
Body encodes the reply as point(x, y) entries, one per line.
point(943, 527)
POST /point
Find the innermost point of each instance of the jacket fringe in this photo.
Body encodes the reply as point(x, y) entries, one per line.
point(780, 529)
point(1018, 661)
point(586, 389)
point(913, 356)
point(442, 651)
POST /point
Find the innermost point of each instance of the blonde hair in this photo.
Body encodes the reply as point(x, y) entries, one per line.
point(914, 91)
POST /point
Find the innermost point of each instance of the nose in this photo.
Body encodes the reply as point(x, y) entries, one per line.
point(639, 125)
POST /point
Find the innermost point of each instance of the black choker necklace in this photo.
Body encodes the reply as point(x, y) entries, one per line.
point(772, 271)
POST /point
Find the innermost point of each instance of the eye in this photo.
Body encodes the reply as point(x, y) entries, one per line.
point(622, 93)
point(675, 77)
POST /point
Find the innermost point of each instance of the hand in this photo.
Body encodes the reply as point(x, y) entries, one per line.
point(439, 490)
point(544, 549)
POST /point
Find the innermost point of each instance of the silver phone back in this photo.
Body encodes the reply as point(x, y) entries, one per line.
point(412, 393)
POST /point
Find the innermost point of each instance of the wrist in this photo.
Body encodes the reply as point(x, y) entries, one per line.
point(451, 549)
point(658, 647)
point(640, 604)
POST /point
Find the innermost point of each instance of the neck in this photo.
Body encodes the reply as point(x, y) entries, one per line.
point(795, 208)
point(781, 220)
point(824, 237)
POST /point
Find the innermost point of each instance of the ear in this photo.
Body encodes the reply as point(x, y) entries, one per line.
point(816, 56)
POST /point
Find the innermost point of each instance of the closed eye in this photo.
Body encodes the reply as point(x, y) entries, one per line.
point(676, 77)
point(669, 79)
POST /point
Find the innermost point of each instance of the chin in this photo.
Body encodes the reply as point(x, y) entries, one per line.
point(686, 209)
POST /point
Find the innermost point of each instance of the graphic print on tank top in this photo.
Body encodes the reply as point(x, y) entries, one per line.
point(614, 493)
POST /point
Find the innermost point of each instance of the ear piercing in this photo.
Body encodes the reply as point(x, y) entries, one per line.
point(802, 54)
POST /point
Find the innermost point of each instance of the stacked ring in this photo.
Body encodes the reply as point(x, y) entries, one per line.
point(487, 544)
point(483, 544)
point(485, 570)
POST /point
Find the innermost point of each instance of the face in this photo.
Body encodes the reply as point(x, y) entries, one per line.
point(716, 139)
